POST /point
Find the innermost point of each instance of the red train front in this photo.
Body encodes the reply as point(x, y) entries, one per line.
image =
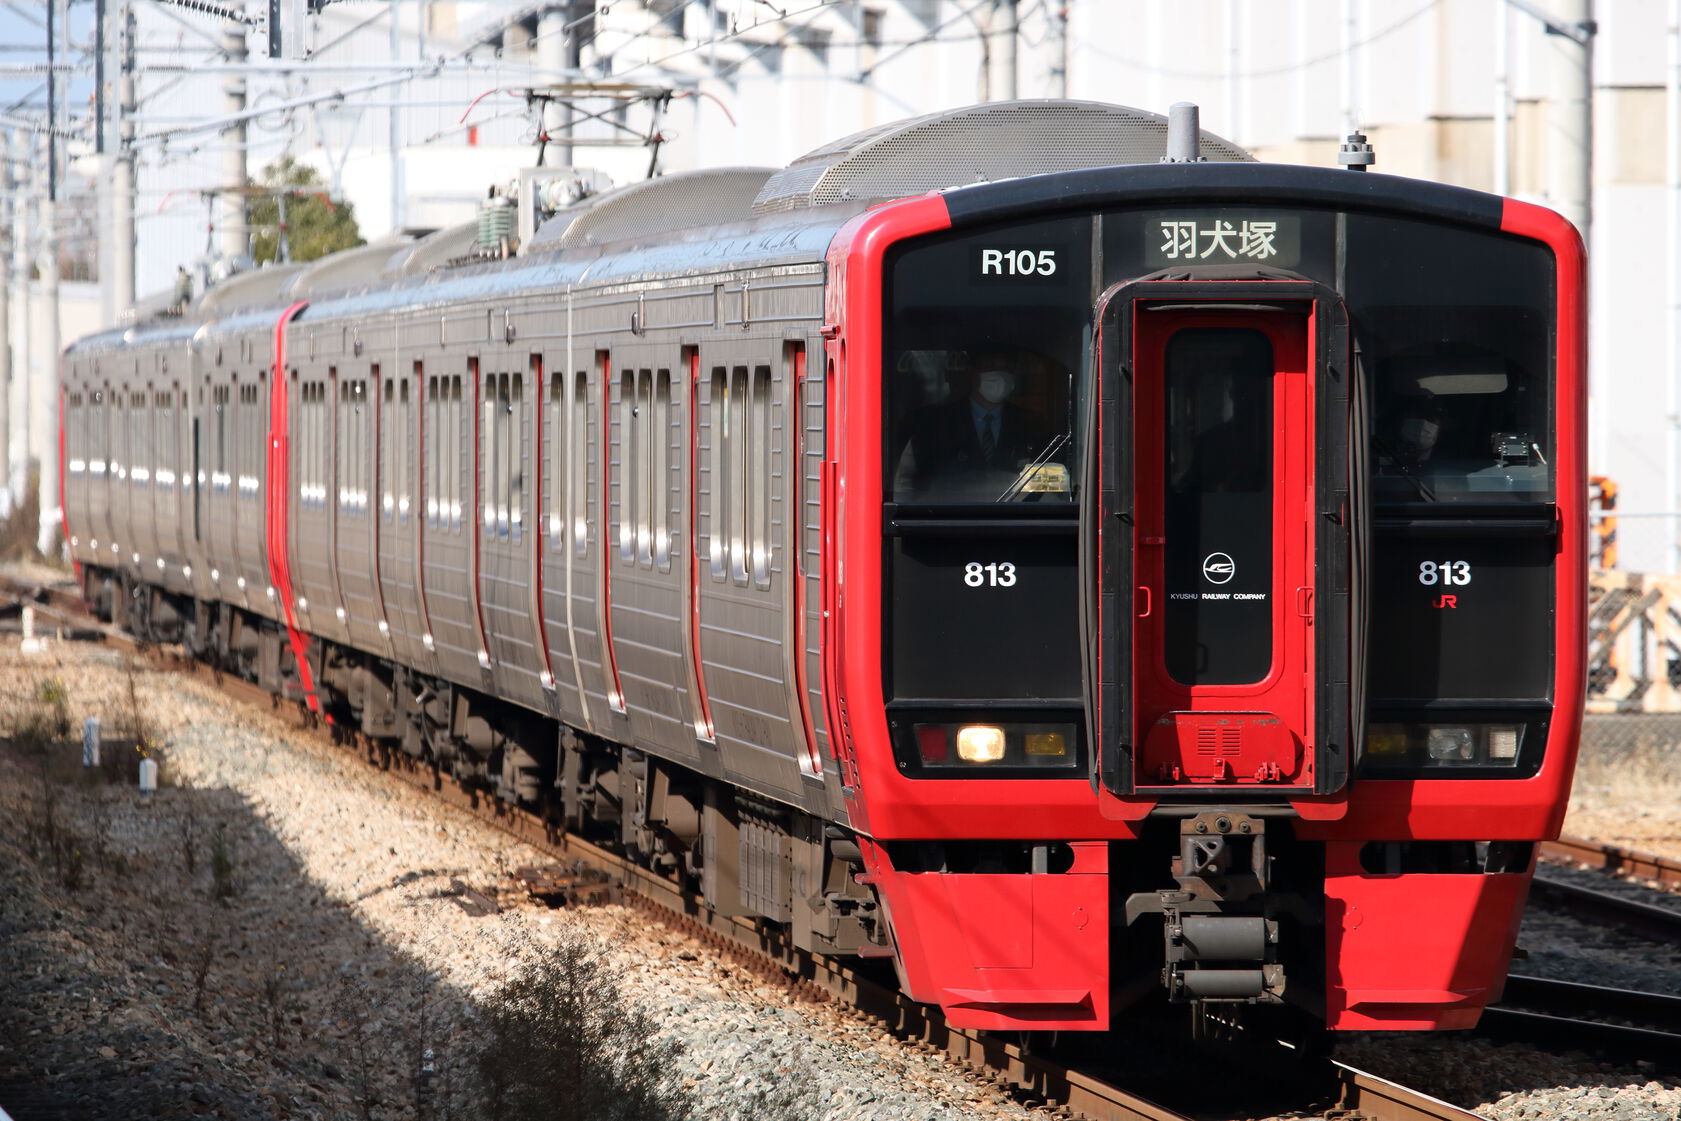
point(1210, 587)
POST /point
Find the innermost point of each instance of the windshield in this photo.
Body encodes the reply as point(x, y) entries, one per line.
point(985, 366)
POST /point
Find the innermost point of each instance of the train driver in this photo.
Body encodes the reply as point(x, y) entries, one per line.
point(971, 447)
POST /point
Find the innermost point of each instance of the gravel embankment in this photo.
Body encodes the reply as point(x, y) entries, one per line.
point(302, 974)
point(341, 952)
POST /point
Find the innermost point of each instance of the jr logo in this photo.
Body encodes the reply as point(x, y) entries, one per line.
point(1218, 568)
point(1449, 602)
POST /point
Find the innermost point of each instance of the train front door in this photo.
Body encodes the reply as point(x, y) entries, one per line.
point(1226, 464)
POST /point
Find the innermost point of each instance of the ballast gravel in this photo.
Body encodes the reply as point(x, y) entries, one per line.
point(340, 951)
point(279, 932)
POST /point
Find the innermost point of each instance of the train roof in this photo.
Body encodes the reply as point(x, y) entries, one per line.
point(698, 220)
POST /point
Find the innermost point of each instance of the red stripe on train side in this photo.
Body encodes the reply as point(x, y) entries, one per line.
point(796, 503)
point(615, 695)
point(278, 496)
point(707, 732)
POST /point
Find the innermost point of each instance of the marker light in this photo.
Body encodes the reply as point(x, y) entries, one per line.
point(1503, 742)
point(1046, 744)
point(933, 742)
point(980, 743)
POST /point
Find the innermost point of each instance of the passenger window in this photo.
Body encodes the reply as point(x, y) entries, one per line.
point(718, 473)
point(662, 470)
point(516, 453)
point(627, 467)
point(557, 454)
point(737, 437)
point(648, 436)
point(580, 463)
point(758, 497)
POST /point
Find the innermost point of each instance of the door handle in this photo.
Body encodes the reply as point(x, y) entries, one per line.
point(1143, 601)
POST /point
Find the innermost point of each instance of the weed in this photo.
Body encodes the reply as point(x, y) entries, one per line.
point(274, 993)
point(354, 1008)
point(187, 824)
point(221, 862)
point(560, 1042)
point(202, 958)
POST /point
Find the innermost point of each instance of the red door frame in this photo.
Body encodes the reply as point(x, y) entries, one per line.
point(1286, 691)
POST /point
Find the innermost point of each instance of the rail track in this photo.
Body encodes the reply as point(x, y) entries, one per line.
point(586, 872)
point(1614, 861)
point(1660, 923)
point(1567, 1015)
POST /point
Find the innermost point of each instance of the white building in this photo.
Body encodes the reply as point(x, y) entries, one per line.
point(434, 113)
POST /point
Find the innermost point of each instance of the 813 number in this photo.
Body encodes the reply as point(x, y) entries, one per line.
point(1446, 572)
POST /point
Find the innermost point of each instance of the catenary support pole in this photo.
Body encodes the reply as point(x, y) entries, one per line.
point(1008, 22)
point(235, 174)
point(1672, 193)
point(6, 202)
point(122, 172)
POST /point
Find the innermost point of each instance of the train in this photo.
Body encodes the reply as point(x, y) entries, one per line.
point(1036, 544)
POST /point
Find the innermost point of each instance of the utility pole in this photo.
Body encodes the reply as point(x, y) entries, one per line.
point(394, 137)
point(5, 326)
point(24, 198)
point(1570, 111)
point(235, 175)
point(1010, 37)
point(1057, 20)
point(45, 394)
point(122, 177)
point(552, 37)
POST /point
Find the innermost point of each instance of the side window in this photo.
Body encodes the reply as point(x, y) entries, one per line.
point(431, 452)
point(628, 459)
point(405, 440)
point(388, 452)
point(580, 463)
point(556, 418)
point(759, 533)
point(718, 473)
point(662, 470)
point(487, 447)
point(457, 458)
point(737, 439)
point(647, 459)
point(516, 453)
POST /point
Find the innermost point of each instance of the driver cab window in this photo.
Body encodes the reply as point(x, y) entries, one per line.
point(1455, 341)
point(985, 426)
point(985, 362)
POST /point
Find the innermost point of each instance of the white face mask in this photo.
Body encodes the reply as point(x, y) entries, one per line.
point(1420, 433)
point(994, 386)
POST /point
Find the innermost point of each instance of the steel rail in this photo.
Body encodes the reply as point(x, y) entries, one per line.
point(1357, 1093)
point(1661, 923)
point(1616, 861)
point(1569, 1015)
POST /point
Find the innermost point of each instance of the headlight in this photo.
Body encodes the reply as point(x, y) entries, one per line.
point(1450, 745)
point(980, 743)
point(952, 747)
point(1418, 748)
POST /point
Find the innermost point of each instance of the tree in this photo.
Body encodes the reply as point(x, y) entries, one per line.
point(315, 225)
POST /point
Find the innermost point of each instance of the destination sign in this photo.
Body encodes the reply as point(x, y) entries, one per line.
point(1222, 237)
